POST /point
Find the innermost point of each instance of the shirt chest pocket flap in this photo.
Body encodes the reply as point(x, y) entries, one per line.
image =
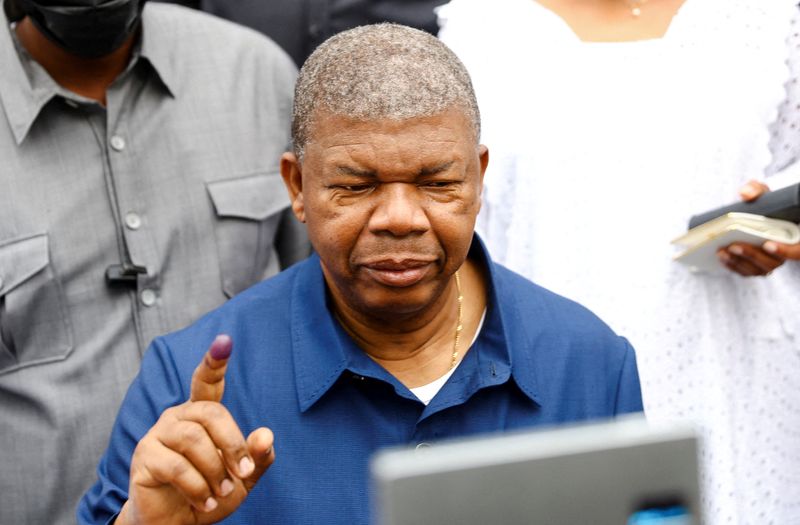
point(248, 213)
point(33, 320)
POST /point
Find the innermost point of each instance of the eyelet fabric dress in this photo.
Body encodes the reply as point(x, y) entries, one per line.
point(600, 153)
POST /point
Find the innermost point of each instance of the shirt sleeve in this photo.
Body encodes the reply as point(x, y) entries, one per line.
point(156, 388)
point(629, 393)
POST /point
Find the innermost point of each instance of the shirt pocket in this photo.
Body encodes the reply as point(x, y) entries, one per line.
point(34, 327)
point(248, 213)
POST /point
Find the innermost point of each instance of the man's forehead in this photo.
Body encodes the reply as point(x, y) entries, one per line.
point(380, 145)
point(451, 125)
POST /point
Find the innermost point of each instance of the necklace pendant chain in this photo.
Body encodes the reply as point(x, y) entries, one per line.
point(459, 325)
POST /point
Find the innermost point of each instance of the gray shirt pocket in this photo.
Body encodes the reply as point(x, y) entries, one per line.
point(248, 213)
point(34, 326)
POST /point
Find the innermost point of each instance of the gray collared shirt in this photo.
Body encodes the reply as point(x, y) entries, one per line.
point(177, 176)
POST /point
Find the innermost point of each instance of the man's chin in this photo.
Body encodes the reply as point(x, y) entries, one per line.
point(396, 303)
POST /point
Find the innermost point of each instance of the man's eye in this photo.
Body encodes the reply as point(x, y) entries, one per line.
point(438, 184)
point(353, 188)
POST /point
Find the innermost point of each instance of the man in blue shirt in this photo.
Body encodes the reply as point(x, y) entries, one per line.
point(400, 330)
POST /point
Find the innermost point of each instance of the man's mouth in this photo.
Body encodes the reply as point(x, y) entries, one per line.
point(399, 273)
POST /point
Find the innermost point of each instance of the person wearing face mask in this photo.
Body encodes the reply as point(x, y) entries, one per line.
point(140, 188)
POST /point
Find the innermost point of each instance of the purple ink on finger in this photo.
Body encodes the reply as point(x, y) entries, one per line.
point(221, 347)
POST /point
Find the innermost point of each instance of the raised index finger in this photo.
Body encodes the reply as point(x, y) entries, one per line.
point(208, 380)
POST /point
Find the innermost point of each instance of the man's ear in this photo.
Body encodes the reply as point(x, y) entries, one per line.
point(292, 173)
point(483, 159)
point(483, 155)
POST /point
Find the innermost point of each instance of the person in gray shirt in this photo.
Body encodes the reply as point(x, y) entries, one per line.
point(139, 188)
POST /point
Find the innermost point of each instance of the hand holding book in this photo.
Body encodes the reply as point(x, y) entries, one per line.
point(750, 238)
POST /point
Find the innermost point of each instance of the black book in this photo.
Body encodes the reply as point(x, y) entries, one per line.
point(779, 204)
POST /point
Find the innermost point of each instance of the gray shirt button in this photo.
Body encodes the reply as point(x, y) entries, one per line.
point(148, 297)
point(117, 143)
point(133, 221)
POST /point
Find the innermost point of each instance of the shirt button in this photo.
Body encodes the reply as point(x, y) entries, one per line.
point(148, 297)
point(133, 221)
point(421, 446)
point(117, 143)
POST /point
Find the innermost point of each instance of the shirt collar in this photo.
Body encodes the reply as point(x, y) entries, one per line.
point(21, 99)
point(323, 351)
point(25, 91)
point(319, 357)
point(158, 45)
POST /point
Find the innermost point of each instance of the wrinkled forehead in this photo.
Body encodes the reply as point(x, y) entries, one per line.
point(396, 149)
point(454, 120)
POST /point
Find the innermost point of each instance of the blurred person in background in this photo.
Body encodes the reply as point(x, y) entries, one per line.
point(140, 189)
point(615, 121)
point(299, 26)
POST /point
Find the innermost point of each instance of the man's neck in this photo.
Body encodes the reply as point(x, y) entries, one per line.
point(420, 350)
point(88, 77)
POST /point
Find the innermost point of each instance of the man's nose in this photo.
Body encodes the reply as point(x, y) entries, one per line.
point(399, 211)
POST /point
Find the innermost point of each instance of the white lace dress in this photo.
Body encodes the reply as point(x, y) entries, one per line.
point(599, 154)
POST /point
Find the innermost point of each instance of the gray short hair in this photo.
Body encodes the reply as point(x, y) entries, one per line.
point(381, 71)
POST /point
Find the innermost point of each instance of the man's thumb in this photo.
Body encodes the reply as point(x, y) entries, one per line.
point(260, 444)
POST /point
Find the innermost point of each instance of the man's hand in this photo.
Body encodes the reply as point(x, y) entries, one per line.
point(194, 466)
point(751, 260)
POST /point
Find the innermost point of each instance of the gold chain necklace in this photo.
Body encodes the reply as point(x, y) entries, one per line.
point(459, 326)
point(636, 7)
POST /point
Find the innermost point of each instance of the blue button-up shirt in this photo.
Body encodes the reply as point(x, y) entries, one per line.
point(539, 359)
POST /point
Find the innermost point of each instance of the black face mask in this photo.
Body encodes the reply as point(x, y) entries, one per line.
point(87, 28)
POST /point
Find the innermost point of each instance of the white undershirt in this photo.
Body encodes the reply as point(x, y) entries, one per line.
point(426, 392)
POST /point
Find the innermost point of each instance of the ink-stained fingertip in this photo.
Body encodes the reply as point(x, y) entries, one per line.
point(221, 347)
